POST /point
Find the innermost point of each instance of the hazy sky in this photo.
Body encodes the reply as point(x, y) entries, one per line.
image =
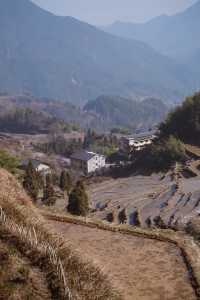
point(107, 11)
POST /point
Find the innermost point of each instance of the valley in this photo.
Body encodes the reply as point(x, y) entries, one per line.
point(99, 151)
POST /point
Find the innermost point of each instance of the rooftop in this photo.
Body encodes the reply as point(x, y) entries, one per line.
point(83, 155)
point(34, 162)
point(139, 136)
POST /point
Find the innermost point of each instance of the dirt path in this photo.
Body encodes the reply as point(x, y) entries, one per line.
point(142, 269)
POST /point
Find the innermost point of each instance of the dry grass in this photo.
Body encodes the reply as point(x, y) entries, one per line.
point(19, 279)
point(188, 250)
point(85, 280)
point(194, 150)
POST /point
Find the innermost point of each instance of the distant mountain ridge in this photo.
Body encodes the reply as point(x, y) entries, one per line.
point(102, 114)
point(176, 36)
point(61, 57)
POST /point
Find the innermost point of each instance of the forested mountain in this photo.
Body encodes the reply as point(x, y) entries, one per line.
point(184, 121)
point(102, 114)
point(113, 111)
point(19, 120)
point(61, 57)
point(176, 36)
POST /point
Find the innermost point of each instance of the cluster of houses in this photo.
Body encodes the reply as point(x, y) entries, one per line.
point(89, 162)
point(137, 142)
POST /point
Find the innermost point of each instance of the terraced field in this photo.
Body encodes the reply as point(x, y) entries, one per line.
point(141, 268)
point(175, 200)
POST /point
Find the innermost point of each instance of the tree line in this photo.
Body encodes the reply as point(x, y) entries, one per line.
point(33, 182)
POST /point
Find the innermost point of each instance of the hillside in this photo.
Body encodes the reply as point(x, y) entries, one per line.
point(61, 57)
point(102, 114)
point(99, 268)
point(184, 121)
point(120, 112)
point(47, 107)
point(175, 36)
point(42, 264)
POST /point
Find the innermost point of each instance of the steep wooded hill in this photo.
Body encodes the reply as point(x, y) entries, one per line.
point(113, 111)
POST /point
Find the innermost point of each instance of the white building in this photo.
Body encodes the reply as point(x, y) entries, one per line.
point(87, 162)
point(39, 166)
point(137, 142)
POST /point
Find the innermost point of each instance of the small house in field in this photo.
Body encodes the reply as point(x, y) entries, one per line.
point(137, 142)
point(87, 162)
point(39, 166)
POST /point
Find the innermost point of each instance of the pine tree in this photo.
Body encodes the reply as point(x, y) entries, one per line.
point(158, 221)
point(137, 221)
point(110, 217)
point(78, 200)
point(31, 182)
point(49, 197)
point(148, 222)
point(65, 181)
point(122, 216)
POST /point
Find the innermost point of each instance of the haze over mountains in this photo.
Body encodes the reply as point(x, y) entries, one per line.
point(176, 36)
point(61, 57)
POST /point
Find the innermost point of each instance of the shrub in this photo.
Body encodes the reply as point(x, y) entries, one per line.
point(8, 162)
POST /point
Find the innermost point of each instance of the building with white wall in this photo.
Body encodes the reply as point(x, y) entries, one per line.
point(87, 162)
point(136, 142)
point(39, 166)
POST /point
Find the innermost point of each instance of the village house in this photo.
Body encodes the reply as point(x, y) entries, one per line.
point(39, 166)
point(87, 162)
point(136, 142)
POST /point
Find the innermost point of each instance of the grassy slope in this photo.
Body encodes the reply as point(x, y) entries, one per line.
point(19, 279)
point(84, 279)
point(189, 250)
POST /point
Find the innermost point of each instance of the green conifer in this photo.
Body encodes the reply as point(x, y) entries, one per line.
point(158, 221)
point(49, 197)
point(78, 200)
point(122, 216)
point(65, 181)
point(137, 221)
point(30, 182)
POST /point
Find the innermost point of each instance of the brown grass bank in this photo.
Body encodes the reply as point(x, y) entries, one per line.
point(84, 279)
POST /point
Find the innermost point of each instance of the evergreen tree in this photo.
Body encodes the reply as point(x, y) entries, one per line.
point(49, 197)
point(78, 200)
point(122, 216)
point(148, 222)
point(110, 217)
point(137, 218)
point(158, 221)
point(31, 183)
point(65, 181)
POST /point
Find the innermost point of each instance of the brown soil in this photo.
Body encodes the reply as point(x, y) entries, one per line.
point(141, 269)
